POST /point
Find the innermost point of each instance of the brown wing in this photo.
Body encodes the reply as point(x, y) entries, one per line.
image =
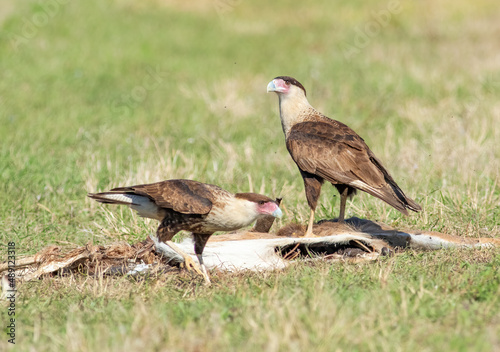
point(336, 153)
point(183, 196)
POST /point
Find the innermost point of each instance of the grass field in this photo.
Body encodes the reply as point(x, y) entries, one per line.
point(100, 94)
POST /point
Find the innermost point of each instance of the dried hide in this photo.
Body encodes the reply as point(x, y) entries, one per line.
point(356, 240)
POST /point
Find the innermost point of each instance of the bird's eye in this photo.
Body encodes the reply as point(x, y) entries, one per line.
point(261, 202)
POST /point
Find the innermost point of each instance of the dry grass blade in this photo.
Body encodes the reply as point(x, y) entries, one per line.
point(292, 253)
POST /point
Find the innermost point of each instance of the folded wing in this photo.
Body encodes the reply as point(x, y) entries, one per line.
point(336, 153)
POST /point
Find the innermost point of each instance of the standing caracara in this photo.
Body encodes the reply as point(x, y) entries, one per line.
point(191, 206)
point(325, 149)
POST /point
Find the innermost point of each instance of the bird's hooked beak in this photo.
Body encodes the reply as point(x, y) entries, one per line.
point(271, 87)
point(277, 213)
point(277, 85)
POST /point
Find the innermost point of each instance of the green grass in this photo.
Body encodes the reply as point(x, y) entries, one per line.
point(114, 93)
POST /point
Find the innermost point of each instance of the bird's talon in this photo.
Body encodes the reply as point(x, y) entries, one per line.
point(190, 265)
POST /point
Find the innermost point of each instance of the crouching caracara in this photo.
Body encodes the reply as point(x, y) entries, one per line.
point(325, 149)
point(191, 206)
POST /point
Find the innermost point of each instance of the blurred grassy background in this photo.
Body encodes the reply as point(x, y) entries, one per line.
point(100, 94)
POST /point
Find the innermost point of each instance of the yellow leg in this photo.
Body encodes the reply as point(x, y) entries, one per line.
point(203, 269)
point(205, 275)
point(189, 263)
point(309, 232)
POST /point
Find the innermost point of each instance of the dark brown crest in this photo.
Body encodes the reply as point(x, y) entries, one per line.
point(254, 197)
point(293, 81)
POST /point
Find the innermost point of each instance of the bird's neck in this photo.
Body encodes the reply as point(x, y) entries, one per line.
point(241, 213)
point(293, 109)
